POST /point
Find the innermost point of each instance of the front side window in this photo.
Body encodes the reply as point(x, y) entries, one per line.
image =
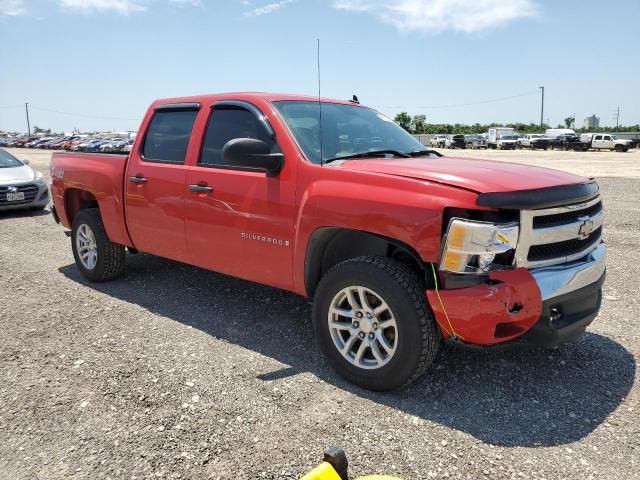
point(168, 136)
point(227, 123)
point(346, 130)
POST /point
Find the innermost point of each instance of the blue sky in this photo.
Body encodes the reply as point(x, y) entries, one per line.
point(104, 61)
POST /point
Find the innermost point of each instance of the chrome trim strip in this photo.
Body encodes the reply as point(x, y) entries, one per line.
point(566, 208)
point(561, 279)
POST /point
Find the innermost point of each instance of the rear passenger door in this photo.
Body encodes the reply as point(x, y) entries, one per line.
point(155, 183)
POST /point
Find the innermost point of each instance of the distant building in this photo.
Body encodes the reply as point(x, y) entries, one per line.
point(592, 122)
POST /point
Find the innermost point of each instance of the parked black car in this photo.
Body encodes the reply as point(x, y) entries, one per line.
point(455, 141)
point(568, 142)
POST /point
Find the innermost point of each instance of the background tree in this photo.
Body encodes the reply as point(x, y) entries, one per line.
point(569, 121)
point(419, 124)
point(404, 120)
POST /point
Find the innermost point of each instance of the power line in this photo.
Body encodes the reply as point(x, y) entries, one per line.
point(80, 114)
point(460, 104)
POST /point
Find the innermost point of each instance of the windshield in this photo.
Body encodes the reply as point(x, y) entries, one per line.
point(7, 160)
point(346, 130)
point(508, 137)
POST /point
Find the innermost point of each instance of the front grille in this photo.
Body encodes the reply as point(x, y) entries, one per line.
point(563, 249)
point(30, 191)
point(558, 235)
point(566, 217)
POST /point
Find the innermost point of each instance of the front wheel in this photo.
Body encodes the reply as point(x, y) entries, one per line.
point(97, 257)
point(373, 324)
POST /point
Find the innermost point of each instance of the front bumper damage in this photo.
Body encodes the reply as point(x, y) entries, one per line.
point(541, 307)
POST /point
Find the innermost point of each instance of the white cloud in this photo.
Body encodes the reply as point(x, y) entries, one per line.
point(119, 6)
point(435, 16)
point(12, 8)
point(270, 8)
point(186, 3)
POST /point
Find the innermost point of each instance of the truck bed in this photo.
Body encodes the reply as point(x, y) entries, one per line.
point(102, 175)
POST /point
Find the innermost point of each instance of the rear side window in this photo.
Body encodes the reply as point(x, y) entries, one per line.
point(168, 136)
point(226, 124)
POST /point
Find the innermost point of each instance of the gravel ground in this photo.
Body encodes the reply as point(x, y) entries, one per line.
point(176, 372)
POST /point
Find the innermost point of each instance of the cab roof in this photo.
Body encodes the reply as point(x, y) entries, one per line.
point(248, 96)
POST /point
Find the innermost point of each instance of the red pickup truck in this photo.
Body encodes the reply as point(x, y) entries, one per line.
point(399, 247)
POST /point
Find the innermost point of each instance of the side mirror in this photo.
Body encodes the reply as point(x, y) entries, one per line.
point(251, 154)
point(26, 162)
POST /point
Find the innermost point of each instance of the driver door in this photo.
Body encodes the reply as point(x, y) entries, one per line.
point(240, 222)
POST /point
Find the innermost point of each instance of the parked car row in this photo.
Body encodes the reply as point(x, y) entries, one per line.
point(74, 143)
point(553, 139)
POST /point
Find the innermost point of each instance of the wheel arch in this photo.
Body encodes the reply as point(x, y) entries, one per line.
point(75, 200)
point(329, 246)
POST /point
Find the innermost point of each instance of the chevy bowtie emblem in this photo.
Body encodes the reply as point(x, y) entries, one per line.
point(585, 229)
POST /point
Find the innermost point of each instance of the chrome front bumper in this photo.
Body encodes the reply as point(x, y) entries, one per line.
point(558, 280)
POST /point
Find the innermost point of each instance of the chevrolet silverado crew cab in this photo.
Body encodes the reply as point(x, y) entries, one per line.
point(605, 141)
point(400, 248)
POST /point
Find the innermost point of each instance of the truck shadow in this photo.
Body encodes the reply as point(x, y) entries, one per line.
point(514, 398)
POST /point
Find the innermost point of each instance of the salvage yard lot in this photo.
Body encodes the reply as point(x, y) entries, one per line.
point(175, 372)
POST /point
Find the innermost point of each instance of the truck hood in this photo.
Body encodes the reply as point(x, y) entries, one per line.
point(481, 176)
point(16, 175)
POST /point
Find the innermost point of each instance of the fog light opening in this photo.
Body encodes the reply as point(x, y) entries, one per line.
point(555, 314)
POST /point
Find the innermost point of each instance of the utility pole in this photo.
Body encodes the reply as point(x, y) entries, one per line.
point(542, 107)
point(617, 117)
point(26, 109)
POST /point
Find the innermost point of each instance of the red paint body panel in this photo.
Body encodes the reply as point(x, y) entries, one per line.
point(101, 175)
point(481, 315)
point(258, 227)
point(481, 176)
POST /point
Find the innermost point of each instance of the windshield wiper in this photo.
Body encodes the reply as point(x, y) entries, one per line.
point(374, 153)
point(422, 153)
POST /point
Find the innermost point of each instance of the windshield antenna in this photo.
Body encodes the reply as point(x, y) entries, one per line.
point(320, 103)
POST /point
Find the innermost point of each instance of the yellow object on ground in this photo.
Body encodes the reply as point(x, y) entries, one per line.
point(325, 471)
point(335, 467)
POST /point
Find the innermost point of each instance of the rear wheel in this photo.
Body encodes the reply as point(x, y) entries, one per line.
point(97, 257)
point(373, 323)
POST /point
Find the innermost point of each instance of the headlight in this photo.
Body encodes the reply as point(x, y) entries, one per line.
point(39, 178)
point(472, 246)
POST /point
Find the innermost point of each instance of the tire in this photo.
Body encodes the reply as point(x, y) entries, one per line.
point(618, 148)
point(415, 335)
point(108, 262)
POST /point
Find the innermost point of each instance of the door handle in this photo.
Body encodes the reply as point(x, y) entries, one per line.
point(137, 180)
point(200, 188)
